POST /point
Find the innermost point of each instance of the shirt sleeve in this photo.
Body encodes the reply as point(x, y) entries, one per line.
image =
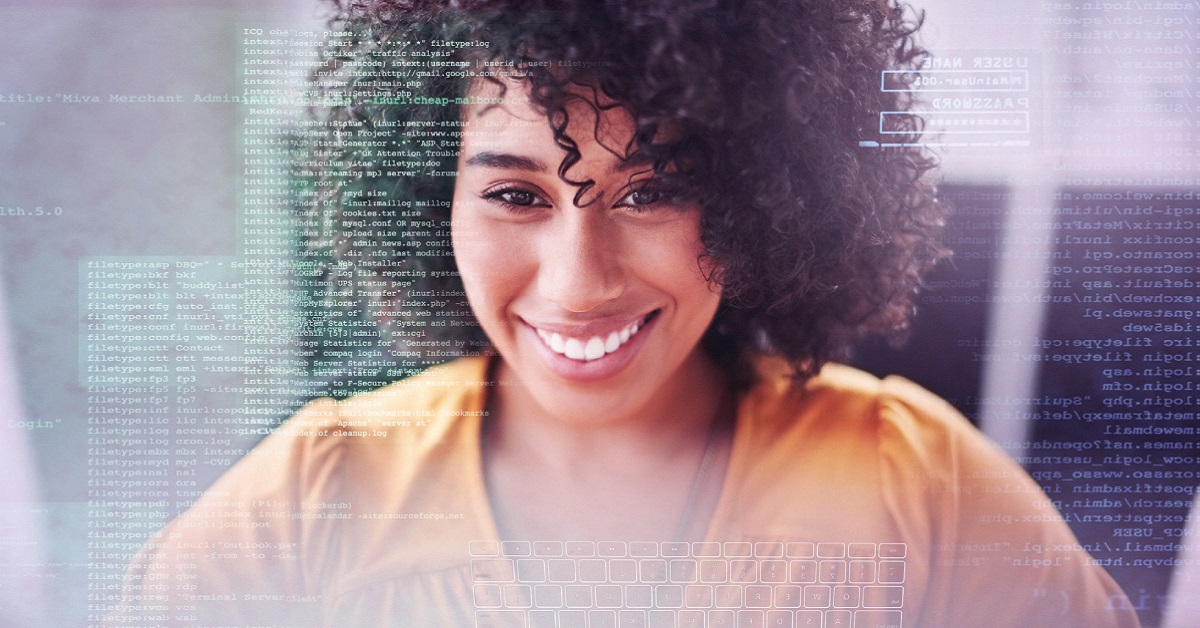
point(1002, 555)
point(245, 552)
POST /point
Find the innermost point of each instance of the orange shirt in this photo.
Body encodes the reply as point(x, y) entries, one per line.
point(360, 513)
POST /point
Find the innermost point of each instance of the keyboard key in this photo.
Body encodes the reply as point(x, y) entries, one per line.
point(577, 596)
point(698, 596)
point(608, 596)
point(845, 597)
point(515, 548)
point(722, 619)
point(602, 619)
point(893, 550)
point(833, 571)
point(739, 549)
point(675, 549)
point(804, 571)
point(779, 619)
point(810, 619)
point(883, 597)
point(758, 596)
point(592, 570)
point(838, 619)
point(492, 570)
point(684, 570)
point(488, 596)
point(639, 596)
point(484, 548)
point(742, 571)
point(572, 619)
point(632, 619)
point(624, 570)
point(727, 596)
point(816, 596)
point(862, 571)
point(691, 619)
point(801, 550)
point(643, 549)
point(610, 548)
point(768, 550)
point(706, 549)
point(548, 596)
point(789, 596)
point(543, 619)
point(891, 571)
point(548, 548)
point(517, 596)
point(531, 570)
point(861, 550)
point(773, 571)
point(668, 596)
point(877, 619)
point(653, 570)
point(714, 571)
point(581, 549)
point(560, 570)
point(831, 550)
point(750, 619)
point(500, 619)
point(660, 619)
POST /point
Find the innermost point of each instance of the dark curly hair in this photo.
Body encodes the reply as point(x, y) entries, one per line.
point(818, 240)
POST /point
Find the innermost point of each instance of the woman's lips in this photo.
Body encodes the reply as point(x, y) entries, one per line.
point(589, 355)
point(591, 348)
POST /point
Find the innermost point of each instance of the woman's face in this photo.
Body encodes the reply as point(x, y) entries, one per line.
point(597, 310)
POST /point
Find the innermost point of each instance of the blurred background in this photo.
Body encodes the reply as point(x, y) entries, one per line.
point(152, 320)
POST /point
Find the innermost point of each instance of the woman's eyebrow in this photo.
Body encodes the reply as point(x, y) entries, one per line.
point(506, 161)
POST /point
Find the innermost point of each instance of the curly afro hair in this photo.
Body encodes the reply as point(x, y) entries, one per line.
point(819, 240)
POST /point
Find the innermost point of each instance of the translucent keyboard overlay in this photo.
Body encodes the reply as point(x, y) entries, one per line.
point(586, 584)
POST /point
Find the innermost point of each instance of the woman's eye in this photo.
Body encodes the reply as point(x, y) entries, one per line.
point(653, 196)
point(643, 197)
point(515, 197)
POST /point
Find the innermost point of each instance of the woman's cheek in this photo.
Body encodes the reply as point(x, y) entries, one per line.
point(488, 257)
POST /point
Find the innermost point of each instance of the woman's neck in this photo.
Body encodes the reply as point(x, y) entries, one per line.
point(637, 476)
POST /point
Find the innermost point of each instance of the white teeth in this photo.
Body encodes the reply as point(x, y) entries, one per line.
point(592, 348)
point(612, 343)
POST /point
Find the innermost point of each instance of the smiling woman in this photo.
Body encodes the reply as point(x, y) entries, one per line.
point(598, 308)
point(666, 229)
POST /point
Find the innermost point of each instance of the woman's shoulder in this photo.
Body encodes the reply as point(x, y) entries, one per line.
point(888, 432)
point(843, 399)
point(888, 459)
point(430, 399)
point(409, 422)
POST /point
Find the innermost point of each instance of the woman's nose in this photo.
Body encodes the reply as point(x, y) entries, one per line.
point(580, 265)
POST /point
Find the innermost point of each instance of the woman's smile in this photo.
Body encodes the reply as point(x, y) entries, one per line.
point(584, 345)
point(586, 352)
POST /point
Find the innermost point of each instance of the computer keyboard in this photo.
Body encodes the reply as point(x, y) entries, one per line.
point(555, 584)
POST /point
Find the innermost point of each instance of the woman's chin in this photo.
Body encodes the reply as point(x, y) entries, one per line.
point(586, 408)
